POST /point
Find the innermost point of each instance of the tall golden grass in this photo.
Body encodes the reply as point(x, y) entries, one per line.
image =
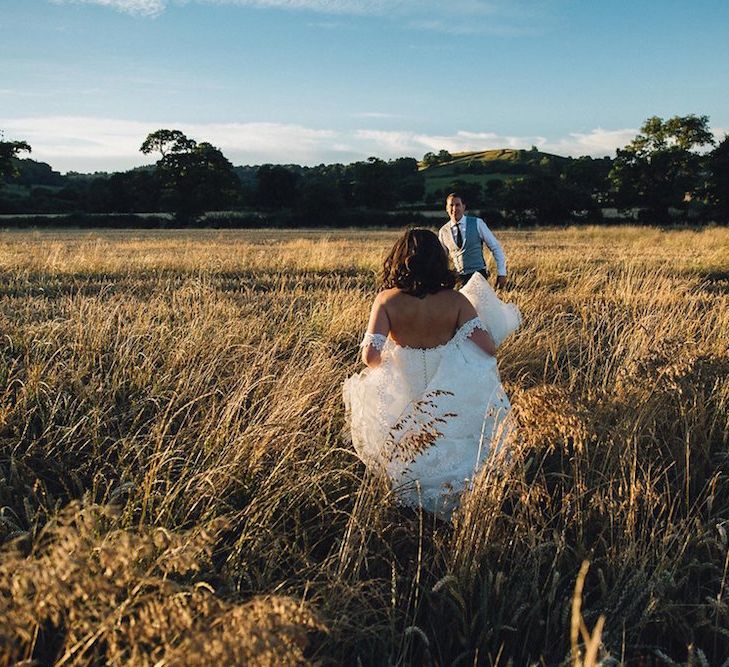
point(176, 486)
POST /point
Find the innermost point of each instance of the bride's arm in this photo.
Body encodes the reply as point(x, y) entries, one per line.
point(377, 330)
point(480, 336)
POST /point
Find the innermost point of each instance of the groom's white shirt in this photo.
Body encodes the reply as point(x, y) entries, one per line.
point(484, 233)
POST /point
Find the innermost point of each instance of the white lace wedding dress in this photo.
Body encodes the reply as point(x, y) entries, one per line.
point(430, 417)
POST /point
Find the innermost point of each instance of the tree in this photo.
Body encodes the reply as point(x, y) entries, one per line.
point(542, 198)
point(8, 152)
point(276, 186)
point(195, 177)
point(131, 191)
point(167, 141)
point(588, 176)
point(471, 192)
point(372, 186)
point(319, 198)
point(659, 169)
point(407, 180)
point(430, 159)
point(517, 200)
point(719, 179)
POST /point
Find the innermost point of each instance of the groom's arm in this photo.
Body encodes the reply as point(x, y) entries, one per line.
point(491, 242)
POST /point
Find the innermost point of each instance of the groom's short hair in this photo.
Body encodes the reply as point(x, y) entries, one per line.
point(455, 195)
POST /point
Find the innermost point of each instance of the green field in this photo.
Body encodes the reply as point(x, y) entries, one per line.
point(177, 485)
point(440, 177)
point(443, 182)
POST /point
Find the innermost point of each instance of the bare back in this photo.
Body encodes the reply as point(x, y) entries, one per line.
point(425, 322)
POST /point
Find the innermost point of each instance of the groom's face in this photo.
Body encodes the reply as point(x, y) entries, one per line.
point(455, 208)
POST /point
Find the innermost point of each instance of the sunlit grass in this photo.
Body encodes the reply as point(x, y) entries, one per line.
point(172, 456)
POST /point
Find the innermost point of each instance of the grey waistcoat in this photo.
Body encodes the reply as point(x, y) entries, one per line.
point(469, 258)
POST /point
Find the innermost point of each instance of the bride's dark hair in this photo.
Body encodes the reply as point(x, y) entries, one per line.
point(417, 264)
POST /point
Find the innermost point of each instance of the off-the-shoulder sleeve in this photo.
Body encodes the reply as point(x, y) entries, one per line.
point(467, 328)
point(377, 341)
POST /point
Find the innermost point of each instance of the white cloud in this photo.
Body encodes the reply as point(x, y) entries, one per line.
point(155, 7)
point(319, 6)
point(90, 144)
point(20, 92)
point(474, 25)
point(504, 17)
point(413, 143)
point(601, 142)
point(327, 25)
point(138, 7)
point(81, 144)
point(323, 6)
point(598, 142)
point(374, 114)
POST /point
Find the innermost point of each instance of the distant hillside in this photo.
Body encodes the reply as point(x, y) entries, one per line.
point(508, 155)
point(477, 168)
point(499, 178)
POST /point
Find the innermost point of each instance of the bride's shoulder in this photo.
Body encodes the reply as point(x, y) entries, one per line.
point(465, 308)
point(447, 298)
point(388, 294)
point(451, 302)
point(453, 296)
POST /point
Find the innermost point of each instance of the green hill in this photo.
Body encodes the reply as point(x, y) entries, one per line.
point(479, 167)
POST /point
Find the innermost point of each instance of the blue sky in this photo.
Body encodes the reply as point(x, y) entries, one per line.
point(311, 81)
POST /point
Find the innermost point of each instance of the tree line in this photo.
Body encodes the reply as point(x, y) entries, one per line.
point(672, 170)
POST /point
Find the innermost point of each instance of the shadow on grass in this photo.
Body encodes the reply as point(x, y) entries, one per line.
point(144, 283)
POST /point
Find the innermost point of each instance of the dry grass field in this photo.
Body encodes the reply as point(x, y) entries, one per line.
point(176, 487)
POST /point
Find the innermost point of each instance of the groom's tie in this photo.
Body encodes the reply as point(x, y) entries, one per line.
point(459, 236)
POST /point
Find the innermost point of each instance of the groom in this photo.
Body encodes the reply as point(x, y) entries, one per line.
point(463, 237)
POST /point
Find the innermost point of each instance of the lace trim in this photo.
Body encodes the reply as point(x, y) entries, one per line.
point(463, 332)
point(376, 341)
point(467, 328)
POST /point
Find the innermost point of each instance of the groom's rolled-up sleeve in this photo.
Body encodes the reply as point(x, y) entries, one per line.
point(492, 243)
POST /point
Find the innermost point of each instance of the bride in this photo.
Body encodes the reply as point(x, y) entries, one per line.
point(429, 409)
